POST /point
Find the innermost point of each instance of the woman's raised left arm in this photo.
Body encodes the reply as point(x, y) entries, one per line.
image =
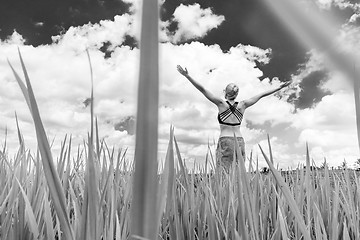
point(251, 101)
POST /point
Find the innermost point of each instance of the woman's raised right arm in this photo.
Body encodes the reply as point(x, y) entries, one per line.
point(198, 86)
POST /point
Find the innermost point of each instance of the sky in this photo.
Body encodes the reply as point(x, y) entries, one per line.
point(239, 41)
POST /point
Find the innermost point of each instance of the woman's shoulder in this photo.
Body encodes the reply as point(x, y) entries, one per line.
point(241, 105)
point(222, 102)
point(222, 105)
point(226, 103)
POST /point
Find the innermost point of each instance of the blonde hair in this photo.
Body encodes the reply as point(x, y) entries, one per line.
point(231, 91)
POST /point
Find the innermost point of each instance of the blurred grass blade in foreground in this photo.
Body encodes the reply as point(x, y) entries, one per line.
point(52, 178)
point(357, 104)
point(145, 182)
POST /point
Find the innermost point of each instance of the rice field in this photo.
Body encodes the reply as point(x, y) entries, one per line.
point(244, 204)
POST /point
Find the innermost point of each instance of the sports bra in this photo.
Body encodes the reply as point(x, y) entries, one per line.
point(228, 112)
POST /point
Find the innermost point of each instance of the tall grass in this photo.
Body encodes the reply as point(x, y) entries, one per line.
point(317, 204)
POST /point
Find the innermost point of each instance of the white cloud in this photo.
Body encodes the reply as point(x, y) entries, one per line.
point(348, 40)
point(336, 83)
point(95, 35)
point(354, 17)
point(328, 138)
point(334, 112)
point(330, 128)
point(15, 38)
point(253, 53)
point(334, 157)
point(283, 155)
point(327, 4)
point(194, 22)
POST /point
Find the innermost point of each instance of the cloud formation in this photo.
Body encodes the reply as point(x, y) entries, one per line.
point(339, 3)
point(193, 22)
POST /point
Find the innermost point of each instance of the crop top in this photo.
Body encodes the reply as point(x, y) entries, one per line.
point(228, 112)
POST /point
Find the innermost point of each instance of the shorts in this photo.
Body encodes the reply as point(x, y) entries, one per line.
point(225, 151)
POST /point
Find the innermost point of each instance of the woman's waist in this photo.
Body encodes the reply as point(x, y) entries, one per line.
point(226, 131)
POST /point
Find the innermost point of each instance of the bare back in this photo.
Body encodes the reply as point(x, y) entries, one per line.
point(229, 130)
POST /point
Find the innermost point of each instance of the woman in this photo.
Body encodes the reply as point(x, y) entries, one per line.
point(230, 116)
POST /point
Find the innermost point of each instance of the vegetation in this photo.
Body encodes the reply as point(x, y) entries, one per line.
point(318, 204)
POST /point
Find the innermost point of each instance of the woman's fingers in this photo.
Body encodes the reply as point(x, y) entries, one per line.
point(285, 84)
point(181, 70)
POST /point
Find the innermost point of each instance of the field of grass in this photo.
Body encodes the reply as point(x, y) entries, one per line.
point(318, 204)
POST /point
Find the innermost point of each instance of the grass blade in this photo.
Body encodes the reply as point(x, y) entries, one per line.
point(282, 225)
point(48, 220)
point(29, 213)
point(167, 181)
point(285, 189)
point(22, 86)
point(357, 105)
point(182, 165)
point(145, 183)
point(90, 174)
point(52, 178)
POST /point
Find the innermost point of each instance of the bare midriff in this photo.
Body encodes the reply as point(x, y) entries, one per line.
point(229, 131)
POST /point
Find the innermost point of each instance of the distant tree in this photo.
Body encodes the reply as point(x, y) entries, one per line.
point(343, 165)
point(357, 164)
point(265, 170)
point(324, 164)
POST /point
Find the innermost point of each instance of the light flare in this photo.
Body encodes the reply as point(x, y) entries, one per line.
point(315, 30)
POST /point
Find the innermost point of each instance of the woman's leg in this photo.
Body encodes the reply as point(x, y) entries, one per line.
point(241, 143)
point(225, 152)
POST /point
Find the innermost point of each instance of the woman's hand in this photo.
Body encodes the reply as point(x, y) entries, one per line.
point(182, 71)
point(285, 84)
